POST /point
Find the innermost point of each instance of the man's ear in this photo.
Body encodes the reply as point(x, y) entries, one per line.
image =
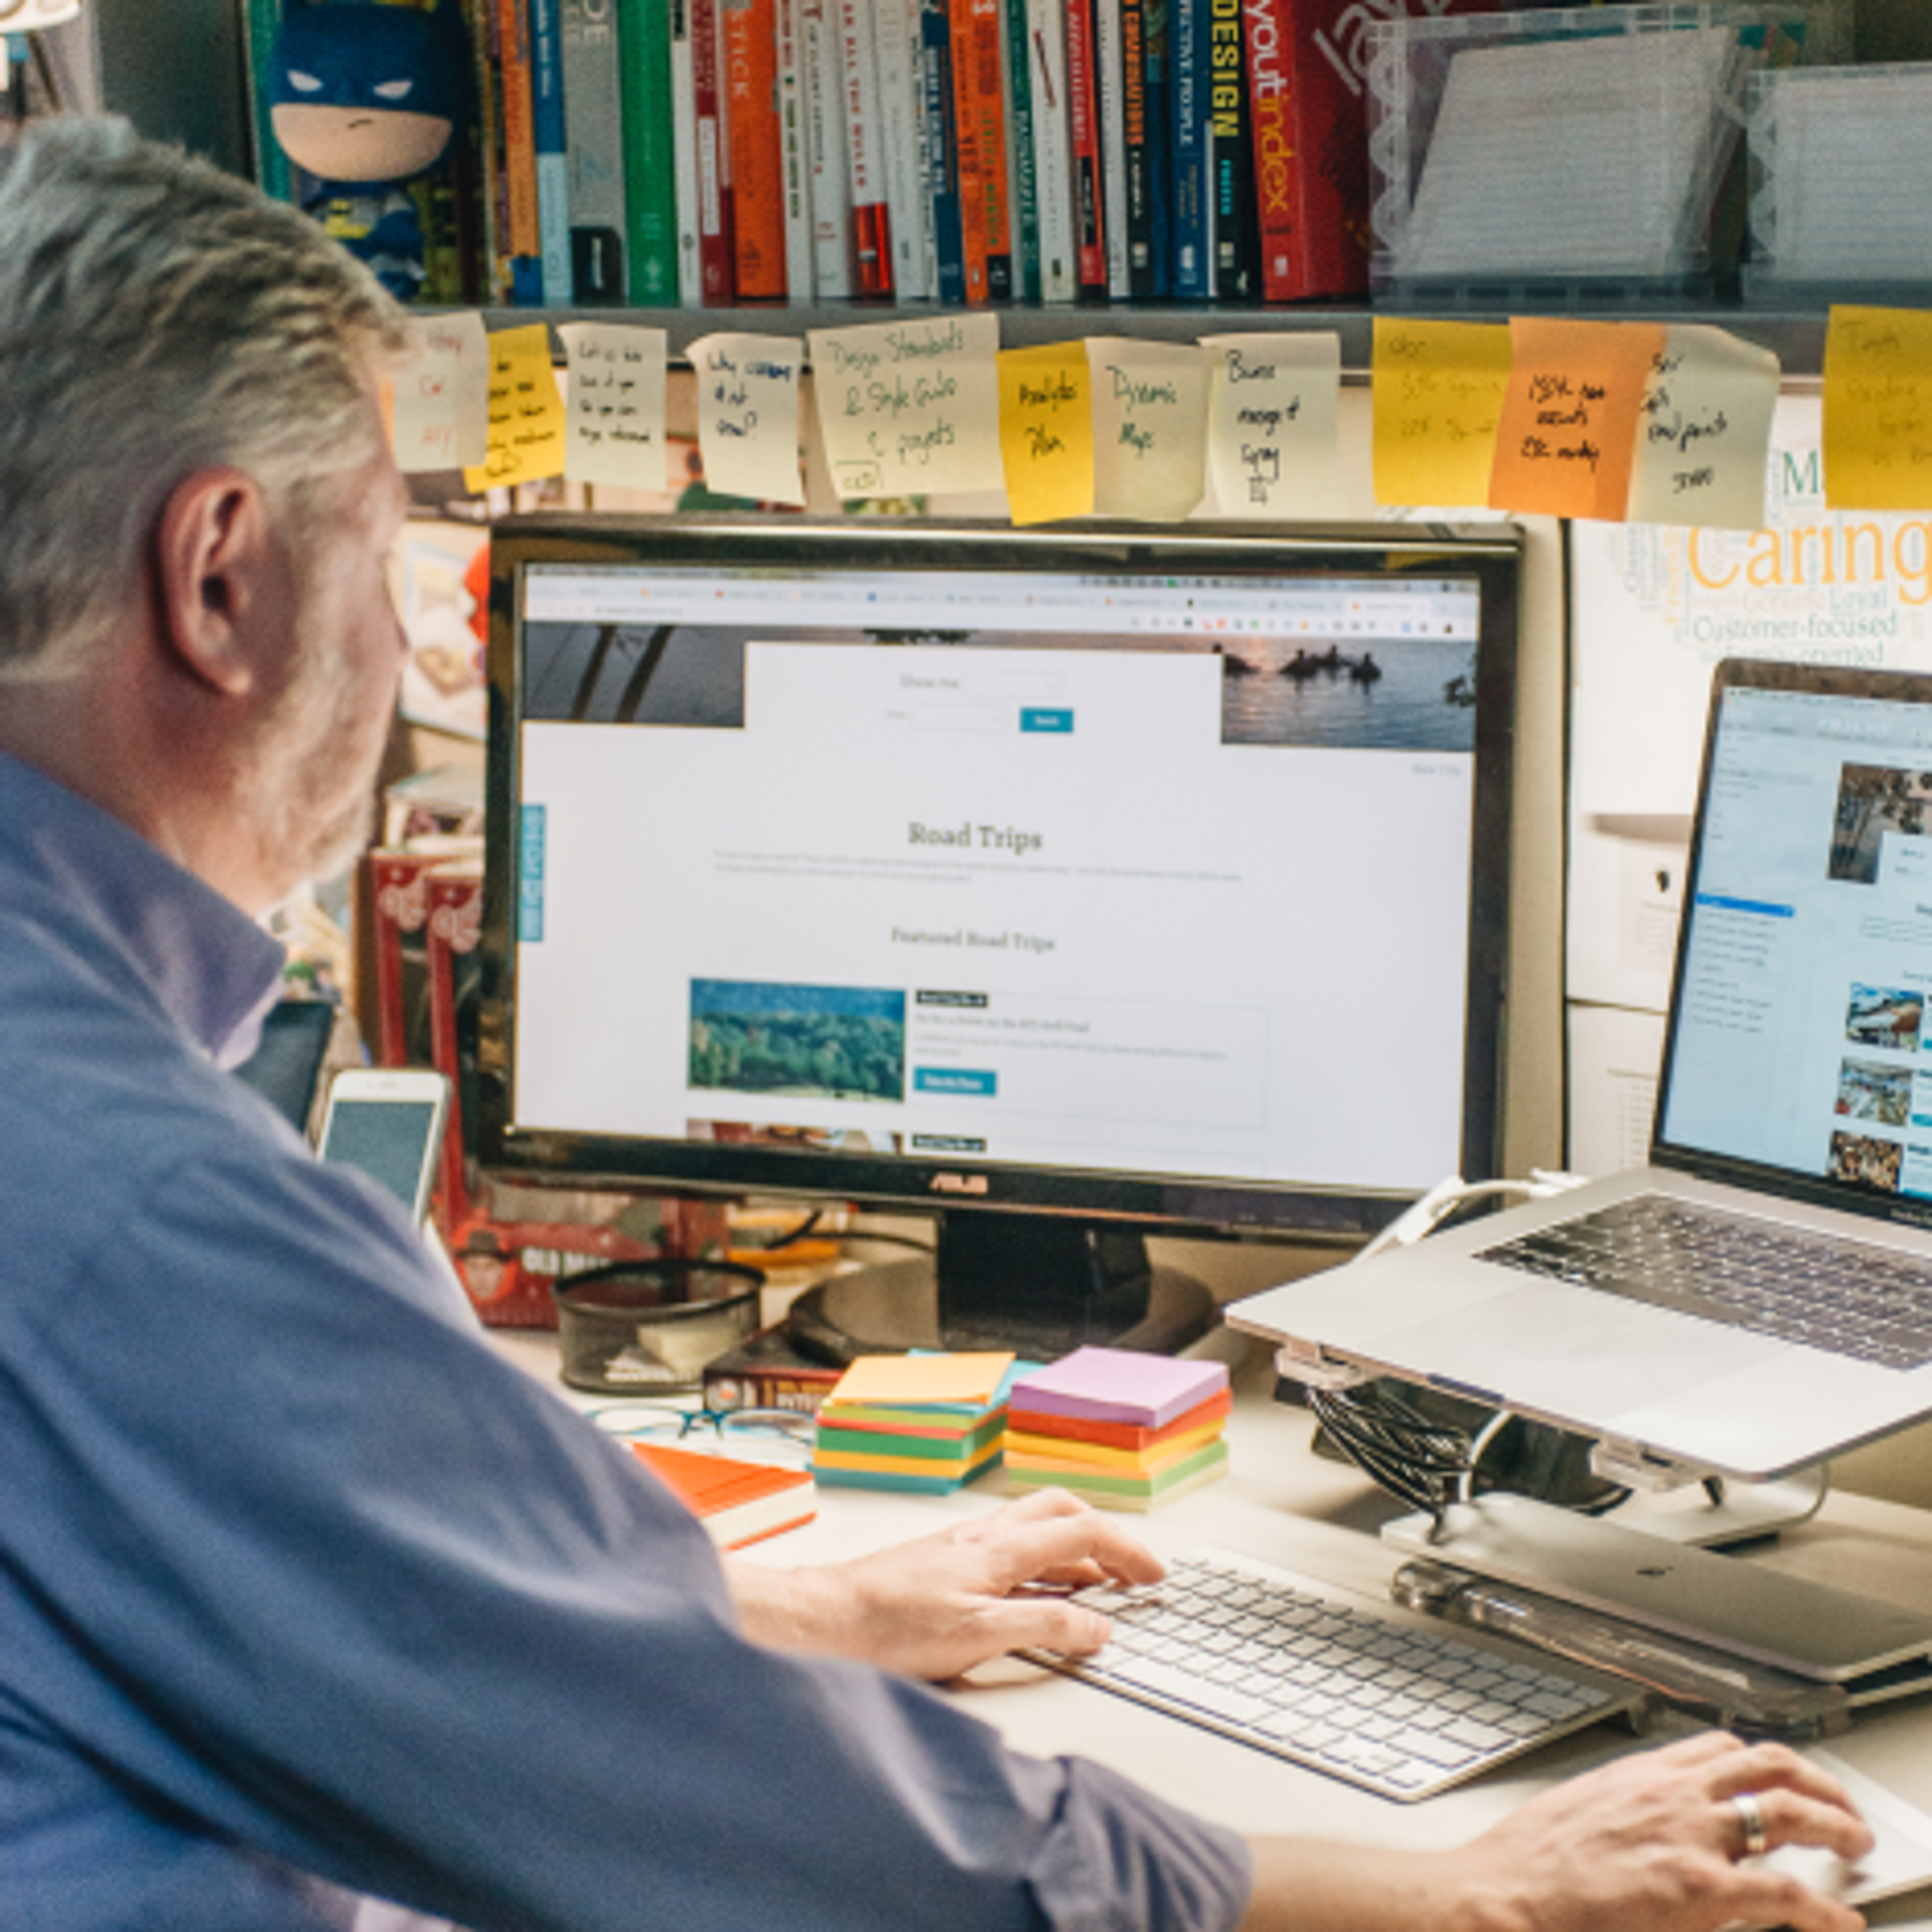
point(223, 593)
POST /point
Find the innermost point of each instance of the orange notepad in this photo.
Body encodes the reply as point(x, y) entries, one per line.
point(737, 1502)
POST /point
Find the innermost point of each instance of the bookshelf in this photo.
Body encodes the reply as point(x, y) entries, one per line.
point(174, 68)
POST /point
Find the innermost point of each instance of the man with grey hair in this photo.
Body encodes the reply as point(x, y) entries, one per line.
point(307, 1601)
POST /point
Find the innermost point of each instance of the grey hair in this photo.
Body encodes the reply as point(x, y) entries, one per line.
point(157, 317)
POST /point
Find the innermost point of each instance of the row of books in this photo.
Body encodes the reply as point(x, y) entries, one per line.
point(704, 153)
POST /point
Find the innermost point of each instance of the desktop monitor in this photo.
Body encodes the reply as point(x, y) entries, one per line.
point(1067, 885)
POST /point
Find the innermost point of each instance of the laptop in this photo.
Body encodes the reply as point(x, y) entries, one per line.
point(1758, 1297)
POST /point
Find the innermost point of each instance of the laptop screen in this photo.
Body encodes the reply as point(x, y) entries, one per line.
point(1798, 1038)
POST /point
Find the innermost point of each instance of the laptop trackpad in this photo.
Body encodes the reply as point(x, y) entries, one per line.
point(1549, 1358)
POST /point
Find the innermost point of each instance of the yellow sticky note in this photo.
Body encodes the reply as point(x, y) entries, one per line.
point(1438, 394)
point(528, 429)
point(1046, 431)
point(962, 1379)
point(1566, 441)
point(1878, 409)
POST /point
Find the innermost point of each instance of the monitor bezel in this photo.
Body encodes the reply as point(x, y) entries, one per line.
point(1179, 1204)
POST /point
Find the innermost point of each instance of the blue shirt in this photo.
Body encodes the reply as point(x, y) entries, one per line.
point(306, 1595)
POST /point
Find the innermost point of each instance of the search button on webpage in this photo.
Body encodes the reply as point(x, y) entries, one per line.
point(1033, 718)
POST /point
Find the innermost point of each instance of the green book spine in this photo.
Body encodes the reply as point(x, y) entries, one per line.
point(261, 21)
point(650, 153)
point(1019, 125)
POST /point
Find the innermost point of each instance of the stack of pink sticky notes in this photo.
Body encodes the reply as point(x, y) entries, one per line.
point(1125, 1430)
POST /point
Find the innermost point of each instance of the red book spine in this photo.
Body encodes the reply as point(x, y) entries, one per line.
point(716, 267)
point(1271, 99)
point(871, 219)
point(399, 896)
point(1083, 121)
point(757, 158)
point(521, 237)
point(453, 924)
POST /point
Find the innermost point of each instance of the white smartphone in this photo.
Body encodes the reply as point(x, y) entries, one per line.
point(387, 1121)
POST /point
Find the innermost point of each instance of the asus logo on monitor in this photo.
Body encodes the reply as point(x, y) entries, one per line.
point(957, 1183)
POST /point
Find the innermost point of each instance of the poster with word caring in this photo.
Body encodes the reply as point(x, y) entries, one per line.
point(1046, 432)
point(1437, 396)
point(1272, 447)
point(910, 407)
point(748, 419)
point(1653, 608)
point(1150, 426)
point(527, 428)
point(1567, 437)
point(617, 404)
point(439, 416)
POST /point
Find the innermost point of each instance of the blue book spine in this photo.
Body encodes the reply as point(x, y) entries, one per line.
point(552, 153)
point(936, 103)
point(1190, 209)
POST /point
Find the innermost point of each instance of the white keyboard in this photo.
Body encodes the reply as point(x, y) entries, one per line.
point(1384, 1697)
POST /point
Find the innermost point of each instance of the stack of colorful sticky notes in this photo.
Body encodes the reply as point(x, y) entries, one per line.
point(925, 1421)
point(1123, 1430)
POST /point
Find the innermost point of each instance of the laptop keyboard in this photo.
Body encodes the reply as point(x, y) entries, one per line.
point(1362, 1691)
point(1847, 1296)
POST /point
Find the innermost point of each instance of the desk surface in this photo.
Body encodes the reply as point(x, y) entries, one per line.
point(1281, 1502)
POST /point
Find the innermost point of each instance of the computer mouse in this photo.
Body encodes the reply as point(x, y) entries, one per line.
point(1816, 1866)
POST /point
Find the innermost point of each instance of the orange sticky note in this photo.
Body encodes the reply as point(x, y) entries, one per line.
point(1439, 390)
point(1567, 438)
point(1046, 431)
point(528, 427)
point(1878, 409)
point(971, 1377)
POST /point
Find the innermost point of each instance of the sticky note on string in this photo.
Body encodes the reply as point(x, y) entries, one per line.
point(1878, 409)
point(1150, 426)
point(439, 401)
point(909, 408)
point(1566, 440)
point(1046, 432)
point(527, 428)
point(747, 415)
point(616, 404)
point(1272, 448)
point(1437, 399)
point(1704, 431)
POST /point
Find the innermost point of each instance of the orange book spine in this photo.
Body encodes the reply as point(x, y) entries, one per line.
point(750, 55)
point(966, 134)
point(520, 155)
point(988, 82)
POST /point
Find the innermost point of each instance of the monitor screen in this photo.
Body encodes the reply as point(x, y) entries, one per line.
point(1128, 880)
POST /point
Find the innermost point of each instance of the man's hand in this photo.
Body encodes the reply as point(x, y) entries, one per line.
point(938, 1605)
point(1652, 1841)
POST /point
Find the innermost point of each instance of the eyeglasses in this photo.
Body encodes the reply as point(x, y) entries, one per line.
point(773, 1435)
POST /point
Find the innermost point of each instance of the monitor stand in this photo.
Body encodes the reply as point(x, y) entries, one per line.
point(1040, 1286)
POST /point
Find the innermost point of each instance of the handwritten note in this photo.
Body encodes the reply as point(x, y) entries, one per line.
point(1878, 409)
point(1150, 426)
point(748, 395)
point(527, 431)
point(1438, 396)
point(1272, 450)
point(1704, 431)
point(910, 407)
point(1566, 441)
point(439, 418)
point(617, 404)
point(1046, 431)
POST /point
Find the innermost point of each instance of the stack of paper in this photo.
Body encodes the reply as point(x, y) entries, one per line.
point(1838, 152)
point(922, 1422)
point(1124, 1430)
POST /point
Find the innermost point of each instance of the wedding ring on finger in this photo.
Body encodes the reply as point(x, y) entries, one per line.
point(1751, 1816)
